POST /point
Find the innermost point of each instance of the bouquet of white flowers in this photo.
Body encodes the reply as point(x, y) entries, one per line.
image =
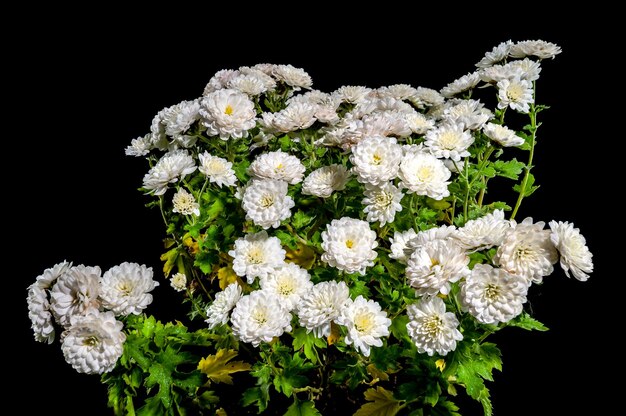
point(337, 251)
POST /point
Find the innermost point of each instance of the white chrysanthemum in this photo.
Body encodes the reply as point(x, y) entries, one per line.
point(426, 97)
point(527, 251)
point(158, 138)
point(497, 73)
point(472, 114)
point(185, 203)
point(539, 48)
point(170, 168)
point(493, 295)
point(218, 312)
point(449, 141)
point(266, 202)
point(39, 314)
point(277, 165)
point(386, 123)
point(397, 91)
point(399, 243)
point(250, 84)
point(419, 123)
point(220, 80)
point(76, 292)
point(502, 135)
point(376, 159)
point(288, 283)
point(321, 306)
point(433, 266)
point(366, 323)
point(94, 342)
point(526, 68)
point(352, 94)
point(423, 174)
point(431, 328)
point(460, 85)
point(262, 73)
point(259, 317)
point(228, 113)
point(296, 116)
point(217, 169)
point(256, 255)
point(443, 233)
point(125, 288)
point(382, 202)
point(497, 54)
point(575, 255)
point(179, 118)
point(140, 146)
point(296, 78)
point(178, 281)
point(484, 232)
point(349, 245)
point(324, 181)
point(39, 304)
point(516, 93)
point(267, 69)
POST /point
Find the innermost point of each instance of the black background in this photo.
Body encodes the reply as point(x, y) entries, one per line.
point(85, 89)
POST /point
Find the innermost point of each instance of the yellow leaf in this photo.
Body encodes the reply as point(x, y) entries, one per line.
point(380, 403)
point(334, 333)
point(192, 245)
point(440, 364)
point(376, 374)
point(218, 368)
point(303, 256)
point(221, 412)
point(169, 258)
point(226, 275)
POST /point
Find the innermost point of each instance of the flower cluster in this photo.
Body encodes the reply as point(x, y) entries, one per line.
point(83, 302)
point(350, 220)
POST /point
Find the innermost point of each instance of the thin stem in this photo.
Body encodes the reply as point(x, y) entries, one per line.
point(529, 165)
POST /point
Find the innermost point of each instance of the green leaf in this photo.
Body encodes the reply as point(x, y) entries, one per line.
point(527, 322)
point(300, 220)
point(307, 342)
point(381, 403)
point(398, 327)
point(218, 368)
point(472, 364)
point(359, 287)
point(306, 408)
point(529, 188)
point(160, 375)
point(510, 169)
point(287, 239)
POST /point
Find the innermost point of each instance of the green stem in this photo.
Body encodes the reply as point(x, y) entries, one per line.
point(529, 165)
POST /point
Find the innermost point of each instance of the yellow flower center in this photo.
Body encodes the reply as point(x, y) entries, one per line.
point(449, 140)
point(364, 323)
point(425, 173)
point(349, 243)
point(125, 288)
point(285, 287)
point(432, 325)
point(255, 255)
point(266, 201)
point(515, 92)
point(492, 291)
point(376, 159)
point(91, 341)
point(259, 316)
point(228, 110)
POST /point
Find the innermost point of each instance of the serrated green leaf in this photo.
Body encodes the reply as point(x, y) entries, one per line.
point(359, 288)
point(380, 403)
point(218, 368)
point(510, 169)
point(307, 342)
point(529, 188)
point(527, 322)
point(306, 408)
point(300, 219)
point(159, 374)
